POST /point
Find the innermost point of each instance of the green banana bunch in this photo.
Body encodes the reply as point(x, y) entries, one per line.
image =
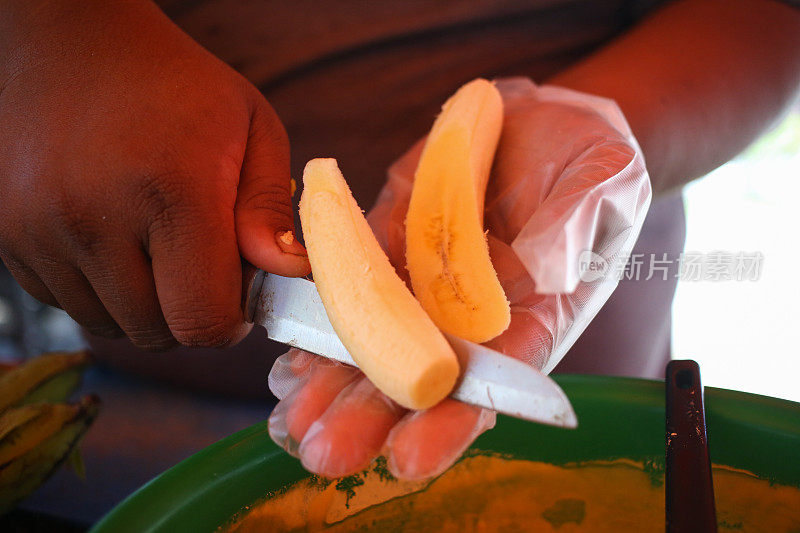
point(37, 436)
point(51, 377)
point(35, 440)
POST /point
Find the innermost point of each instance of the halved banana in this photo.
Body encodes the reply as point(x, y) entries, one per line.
point(446, 250)
point(377, 318)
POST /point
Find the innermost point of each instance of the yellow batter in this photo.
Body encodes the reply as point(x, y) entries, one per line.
point(495, 494)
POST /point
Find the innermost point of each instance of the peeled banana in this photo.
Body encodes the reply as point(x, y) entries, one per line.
point(446, 250)
point(375, 315)
point(50, 377)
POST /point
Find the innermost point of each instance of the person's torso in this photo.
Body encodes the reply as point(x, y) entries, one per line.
point(362, 80)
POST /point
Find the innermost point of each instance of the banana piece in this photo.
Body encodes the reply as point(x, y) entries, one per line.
point(50, 377)
point(35, 440)
point(375, 315)
point(446, 250)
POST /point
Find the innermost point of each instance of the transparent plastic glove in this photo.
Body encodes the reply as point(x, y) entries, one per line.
point(568, 186)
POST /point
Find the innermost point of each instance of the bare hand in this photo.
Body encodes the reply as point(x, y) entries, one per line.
point(135, 170)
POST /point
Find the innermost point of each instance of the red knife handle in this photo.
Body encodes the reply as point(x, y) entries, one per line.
point(689, 484)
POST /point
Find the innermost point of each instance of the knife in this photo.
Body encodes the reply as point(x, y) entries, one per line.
point(292, 312)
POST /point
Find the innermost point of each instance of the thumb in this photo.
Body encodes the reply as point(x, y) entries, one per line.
point(263, 212)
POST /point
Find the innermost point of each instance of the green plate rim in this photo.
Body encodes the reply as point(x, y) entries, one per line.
point(763, 433)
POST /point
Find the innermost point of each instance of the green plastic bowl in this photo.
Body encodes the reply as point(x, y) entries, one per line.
point(619, 417)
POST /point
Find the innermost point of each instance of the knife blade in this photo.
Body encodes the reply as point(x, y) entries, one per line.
point(291, 311)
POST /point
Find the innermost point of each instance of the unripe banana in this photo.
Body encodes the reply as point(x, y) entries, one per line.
point(50, 377)
point(35, 440)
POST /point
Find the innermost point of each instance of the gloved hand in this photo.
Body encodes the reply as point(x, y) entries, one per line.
point(568, 178)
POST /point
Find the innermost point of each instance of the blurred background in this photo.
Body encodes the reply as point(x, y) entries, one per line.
point(744, 334)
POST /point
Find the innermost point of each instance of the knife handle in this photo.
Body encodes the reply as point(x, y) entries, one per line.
point(689, 481)
point(252, 280)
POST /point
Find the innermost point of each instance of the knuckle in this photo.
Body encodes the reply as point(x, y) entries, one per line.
point(51, 269)
point(103, 329)
point(174, 207)
point(213, 330)
point(81, 230)
point(160, 197)
point(149, 332)
point(272, 199)
point(276, 133)
point(7, 232)
point(159, 340)
point(265, 125)
point(7, 259)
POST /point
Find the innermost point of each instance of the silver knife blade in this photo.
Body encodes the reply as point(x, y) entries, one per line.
point(292, 312)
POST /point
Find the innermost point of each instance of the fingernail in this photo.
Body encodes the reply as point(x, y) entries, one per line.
point(317, 454)
point(288, 244)
point(286, 237)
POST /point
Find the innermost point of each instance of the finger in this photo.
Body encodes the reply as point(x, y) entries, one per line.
point(351, 432)
point(123, 280)
point(77, 298)
point(539, 322)
point(289, 371)
point(531, 334)
point(325, 383)
point(405, 167)
point(425, 443)
point(196, 266)
point(515, 89)
point(264, 216)
point(583, 210)
point(388, 214)
point(29, 281)
point(529, 161)
point(309, 396)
